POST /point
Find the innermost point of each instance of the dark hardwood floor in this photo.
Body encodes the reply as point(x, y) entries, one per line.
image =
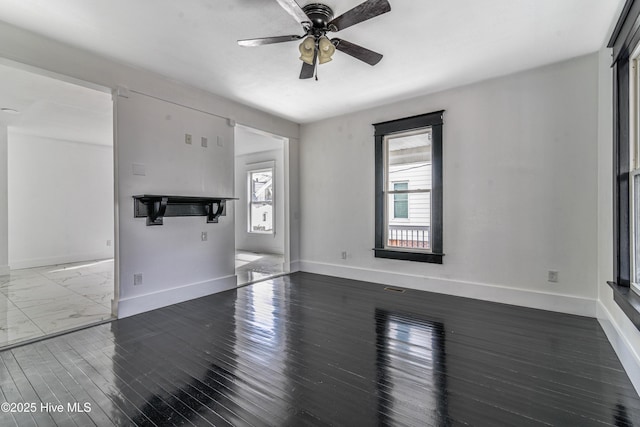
point(306, 349)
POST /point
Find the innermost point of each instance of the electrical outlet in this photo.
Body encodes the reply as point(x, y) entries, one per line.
point(553, 276)
point(344, 254)
point(137, 279)
point(203, 236)
point(187, 138)
point(108, 242)
point(220, 141)
point(204, 142)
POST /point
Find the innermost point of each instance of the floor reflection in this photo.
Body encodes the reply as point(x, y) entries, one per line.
point(304, 350)
point(175, 370)
point(411, 370)
point(253, 266)
point(39, 301)
point(621, 417)
point(187, 402)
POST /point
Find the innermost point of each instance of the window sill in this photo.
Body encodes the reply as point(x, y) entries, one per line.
point(409, 256)
point(628, 301)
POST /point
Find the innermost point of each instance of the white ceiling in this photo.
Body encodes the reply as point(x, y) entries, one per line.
point(428, 45)
point(51, 108)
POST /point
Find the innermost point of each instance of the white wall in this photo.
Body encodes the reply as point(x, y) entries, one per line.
point(137, 251)
point(174, 261)
point(520, 180)
point(257, 242)
point(60, 201)
point(4, 206)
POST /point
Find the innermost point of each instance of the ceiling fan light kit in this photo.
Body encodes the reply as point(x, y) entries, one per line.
point(307, 50)
point(317, 20)
point(326, 49)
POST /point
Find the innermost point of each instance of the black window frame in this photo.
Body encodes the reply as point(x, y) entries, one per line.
point(434, 121)
point(625, 38)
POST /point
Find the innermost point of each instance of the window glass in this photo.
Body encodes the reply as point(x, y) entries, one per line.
point(401, 201)
point(636, 227)
point(261, 201)
point(408, 174)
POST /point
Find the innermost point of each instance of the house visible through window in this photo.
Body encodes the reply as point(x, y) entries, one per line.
point(400, 200)
point(409, 188)
point(261, 201)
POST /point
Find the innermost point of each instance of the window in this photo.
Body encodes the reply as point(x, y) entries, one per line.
point(408, 156)
point(261, 201)
point(625, 42)
point(400, 200)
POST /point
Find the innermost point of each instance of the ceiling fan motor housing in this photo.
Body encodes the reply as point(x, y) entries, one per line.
point(319, 14)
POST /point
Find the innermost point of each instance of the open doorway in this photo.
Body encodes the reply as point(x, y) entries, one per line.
point(261, 212)
point(56, 205)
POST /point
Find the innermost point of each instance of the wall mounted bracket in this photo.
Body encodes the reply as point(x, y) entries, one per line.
point(156, 207)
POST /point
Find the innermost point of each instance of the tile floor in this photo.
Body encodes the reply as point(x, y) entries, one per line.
point(35, 302)
point(253, 266)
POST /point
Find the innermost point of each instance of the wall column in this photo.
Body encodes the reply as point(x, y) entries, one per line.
point(4, 201)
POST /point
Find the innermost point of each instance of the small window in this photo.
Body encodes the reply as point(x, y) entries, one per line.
point(409, 188)
point(400, 200)
point(261, 214)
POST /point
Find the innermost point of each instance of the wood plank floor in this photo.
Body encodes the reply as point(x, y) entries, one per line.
point(306, 349)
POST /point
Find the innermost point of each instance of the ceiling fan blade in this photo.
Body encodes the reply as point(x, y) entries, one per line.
point(294, 10)
point(362, 12)
point(358, 52)
point(308, 69)
point(268, 40)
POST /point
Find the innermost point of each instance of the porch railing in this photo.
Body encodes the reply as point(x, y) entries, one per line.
point(409, 236)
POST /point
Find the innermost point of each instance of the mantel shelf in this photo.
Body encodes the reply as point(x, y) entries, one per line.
point(155, 207)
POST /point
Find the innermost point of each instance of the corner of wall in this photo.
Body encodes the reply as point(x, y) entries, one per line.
point(618, 336)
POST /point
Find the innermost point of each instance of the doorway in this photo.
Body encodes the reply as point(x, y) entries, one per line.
point(261, 213)
point(56, 205)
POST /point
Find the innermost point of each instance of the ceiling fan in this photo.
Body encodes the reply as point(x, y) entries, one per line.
point(317, 20)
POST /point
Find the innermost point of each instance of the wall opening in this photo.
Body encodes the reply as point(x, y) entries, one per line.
point(261, 213)
point(56, 204)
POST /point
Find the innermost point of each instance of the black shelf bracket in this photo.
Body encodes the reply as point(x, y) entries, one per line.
point(156, 207)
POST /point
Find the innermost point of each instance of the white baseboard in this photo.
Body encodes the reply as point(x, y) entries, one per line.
point(63, 259)
point(142, 303)
point(4, 270)
point(621, 345)
point(482, 291)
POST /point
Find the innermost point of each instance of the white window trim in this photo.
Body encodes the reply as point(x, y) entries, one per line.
point(634, 155)
point(269, 166)
point(387, 192)
point(632, 227)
